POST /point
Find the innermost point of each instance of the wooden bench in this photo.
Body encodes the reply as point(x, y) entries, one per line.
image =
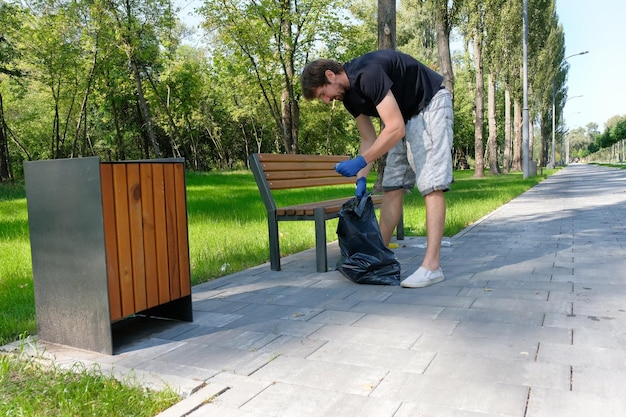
point(288, 171)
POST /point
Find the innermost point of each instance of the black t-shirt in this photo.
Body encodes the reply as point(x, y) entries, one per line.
point(372, 75)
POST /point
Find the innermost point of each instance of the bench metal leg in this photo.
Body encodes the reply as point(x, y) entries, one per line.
point(272, 225)
point(321, 256)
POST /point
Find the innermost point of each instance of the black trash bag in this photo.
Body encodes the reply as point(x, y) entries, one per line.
point(364, 257)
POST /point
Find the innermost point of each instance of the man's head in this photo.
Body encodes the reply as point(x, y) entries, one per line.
point(324, 79)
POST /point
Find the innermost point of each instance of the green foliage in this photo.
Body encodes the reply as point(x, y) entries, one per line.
point(327, 129)
point(613, 133)
point(263, 45)
point(10, 16)
point(463, 112)
point(416, 31)
point(72, 74)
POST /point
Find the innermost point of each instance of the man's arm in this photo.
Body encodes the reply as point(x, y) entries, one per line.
point(373, 148)
point(392, 132)
point(368, 137)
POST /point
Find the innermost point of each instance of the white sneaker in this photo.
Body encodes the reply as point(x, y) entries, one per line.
point(423, 278)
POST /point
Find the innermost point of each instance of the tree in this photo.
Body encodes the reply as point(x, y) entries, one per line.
point(274, 37)
point(417, 35)
point(55, 61)
point(445, 15)
point(509, 61)
point(463, 116)
point(8, 55)
point(578, 141)
point(137, 22)
point(475, 34)
point(386, 24)
point(546, 46)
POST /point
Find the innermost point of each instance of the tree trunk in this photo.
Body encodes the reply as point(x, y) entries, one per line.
point(386, 24)
point(443, 26)
point(289, 115)
point(56, 132)
point(4, 148)
point(120, 153)
point(492, 141)
point(386, 40)
point(546, 130)
point(479, 107)
point(83, 107)
point(506, 160)
point(174, 132)
point(517, 136)
point(144, 109)
point(531, 140)
point(290, 112)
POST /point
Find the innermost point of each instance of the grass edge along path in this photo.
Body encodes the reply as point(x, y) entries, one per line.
point(35, 387)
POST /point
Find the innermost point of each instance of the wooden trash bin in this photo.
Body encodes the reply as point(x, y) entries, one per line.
point(109, 241)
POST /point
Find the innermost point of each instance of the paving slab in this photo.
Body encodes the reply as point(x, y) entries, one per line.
point(530, 322)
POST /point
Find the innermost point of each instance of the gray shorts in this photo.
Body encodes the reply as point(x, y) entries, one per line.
point(424, 155)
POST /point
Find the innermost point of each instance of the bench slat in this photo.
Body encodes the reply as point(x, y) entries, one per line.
point(299, 166)
point(270, 157)
point(309, 182)
point(299, 174)
point(330, 207)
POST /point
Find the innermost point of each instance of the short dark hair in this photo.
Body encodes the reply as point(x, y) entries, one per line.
point(313, 75)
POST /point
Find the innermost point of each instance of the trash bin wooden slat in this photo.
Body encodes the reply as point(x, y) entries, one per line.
point(160, 233)
point(172, 239)
point(149, 242)
point(110, 236)
point(182, 231)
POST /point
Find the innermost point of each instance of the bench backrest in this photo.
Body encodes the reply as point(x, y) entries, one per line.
point(284, 171)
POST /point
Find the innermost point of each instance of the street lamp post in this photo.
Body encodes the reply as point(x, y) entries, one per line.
point(552, 153)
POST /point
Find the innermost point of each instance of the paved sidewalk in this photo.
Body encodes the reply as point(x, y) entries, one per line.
point(530, 321)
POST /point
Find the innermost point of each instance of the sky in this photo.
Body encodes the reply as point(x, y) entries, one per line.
point(187, 13)
point(596, 81)
point(597, 26)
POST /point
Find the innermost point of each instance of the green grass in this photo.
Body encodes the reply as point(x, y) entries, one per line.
point(616, 165)
point(227, 233)
point(34, 388)
point(17, 299)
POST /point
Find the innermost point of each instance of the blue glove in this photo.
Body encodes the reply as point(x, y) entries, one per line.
point(351, 167)
point(361, 187)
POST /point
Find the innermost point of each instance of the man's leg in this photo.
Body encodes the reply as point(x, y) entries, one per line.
point(435, 222)
point(429, 142)
point(430, 272)
point(390, 213)
point(397, 178)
